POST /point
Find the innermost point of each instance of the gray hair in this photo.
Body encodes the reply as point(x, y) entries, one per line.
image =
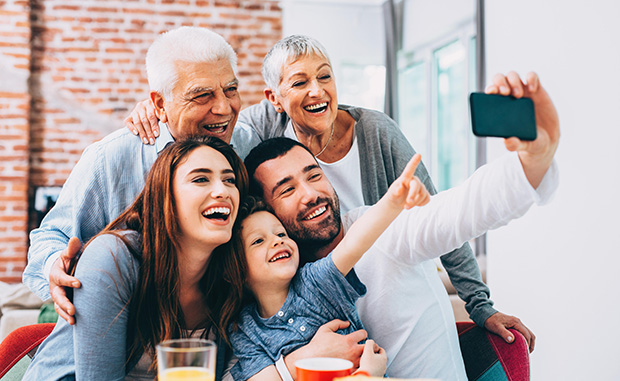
point(288, 48)
point(185, 44)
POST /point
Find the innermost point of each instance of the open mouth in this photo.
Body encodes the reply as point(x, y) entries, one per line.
point(279, 256)
point(316, 108)
point(316, 213)
point(216, 128)
point(220, 213)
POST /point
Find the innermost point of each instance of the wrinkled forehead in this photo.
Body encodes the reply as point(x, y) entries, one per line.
point(204, 75)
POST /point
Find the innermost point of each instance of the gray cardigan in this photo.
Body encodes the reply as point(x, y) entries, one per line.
point(384, 153)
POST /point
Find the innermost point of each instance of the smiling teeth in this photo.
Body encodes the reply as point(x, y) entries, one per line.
point(284, 255)
point(217, 125)
point(316, 106)
point(317, 212)
point(220, 210)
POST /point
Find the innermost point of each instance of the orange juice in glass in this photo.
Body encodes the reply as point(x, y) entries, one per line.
point(186, 360)
point(188, 373)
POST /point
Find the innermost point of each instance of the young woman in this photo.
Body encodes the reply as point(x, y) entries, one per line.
point(154, 273)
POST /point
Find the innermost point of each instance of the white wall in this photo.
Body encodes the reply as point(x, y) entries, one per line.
point(555, 267)
point(426, 21)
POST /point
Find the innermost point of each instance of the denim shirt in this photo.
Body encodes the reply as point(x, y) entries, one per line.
point(105, 181)
point(318, 294)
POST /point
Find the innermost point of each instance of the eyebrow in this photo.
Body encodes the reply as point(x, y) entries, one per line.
point(208, 170)
point(302, 73)
point(285, 180)
point(199, 90)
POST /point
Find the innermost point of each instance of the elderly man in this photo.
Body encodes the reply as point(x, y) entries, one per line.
point(406, 309)
point(191, 74)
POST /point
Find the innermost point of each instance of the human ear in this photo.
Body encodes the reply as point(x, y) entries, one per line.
point(273, 99)
point(159, 103)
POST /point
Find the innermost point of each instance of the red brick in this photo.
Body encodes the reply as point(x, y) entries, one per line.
point(74, 46)
point(102, 9)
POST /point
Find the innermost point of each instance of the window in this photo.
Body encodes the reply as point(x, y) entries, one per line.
point(362, 85)
point(434, 84)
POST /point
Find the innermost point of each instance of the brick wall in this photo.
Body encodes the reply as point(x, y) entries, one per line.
point(84, 71)
point(14, 137)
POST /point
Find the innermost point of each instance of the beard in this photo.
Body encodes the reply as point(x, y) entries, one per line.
point(312, 236)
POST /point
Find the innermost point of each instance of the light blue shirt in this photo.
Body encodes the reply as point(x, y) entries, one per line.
point(105, 181)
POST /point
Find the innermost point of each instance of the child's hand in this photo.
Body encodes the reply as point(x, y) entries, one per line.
point(408, 191)
point(373, 360)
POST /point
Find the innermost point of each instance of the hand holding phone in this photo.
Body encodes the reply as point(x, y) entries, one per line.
point(502, 116)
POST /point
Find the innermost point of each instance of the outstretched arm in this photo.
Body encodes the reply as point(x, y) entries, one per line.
point(406, 192)
point(536, 156)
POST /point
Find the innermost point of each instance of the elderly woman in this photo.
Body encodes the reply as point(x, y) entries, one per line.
point(362, 152)
point(154, 273)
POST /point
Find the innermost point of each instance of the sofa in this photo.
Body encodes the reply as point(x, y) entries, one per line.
point(18, 307)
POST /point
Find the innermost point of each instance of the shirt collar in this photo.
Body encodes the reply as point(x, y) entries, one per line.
point(164, 138)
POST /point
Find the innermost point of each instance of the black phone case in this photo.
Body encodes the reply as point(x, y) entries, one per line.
point(502, 116)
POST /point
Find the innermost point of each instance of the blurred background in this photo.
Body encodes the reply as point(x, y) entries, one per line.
point(70, 72)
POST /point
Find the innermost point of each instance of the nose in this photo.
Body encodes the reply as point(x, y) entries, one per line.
point(277, 241)
point(219, 190)
point(221, 104)
point(316, 90)
point(308, 193)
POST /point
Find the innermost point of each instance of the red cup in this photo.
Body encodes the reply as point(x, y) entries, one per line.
point(322, 369)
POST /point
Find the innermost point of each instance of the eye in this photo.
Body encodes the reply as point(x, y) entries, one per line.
point(230, 180)
point(201, 179)
point(314, 177)
point(281, 234)
point(325, 77)
point(286, 191)
point(257, 241)
point(231, 90)
point(299, 83)
point(202, 98)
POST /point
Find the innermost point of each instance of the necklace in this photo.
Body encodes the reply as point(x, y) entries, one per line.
point(328, 140)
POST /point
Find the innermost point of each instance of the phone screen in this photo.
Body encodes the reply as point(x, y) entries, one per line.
point(502, 116)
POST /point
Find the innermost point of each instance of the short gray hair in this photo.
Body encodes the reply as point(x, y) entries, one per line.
point(288, 48)
point(184, 44)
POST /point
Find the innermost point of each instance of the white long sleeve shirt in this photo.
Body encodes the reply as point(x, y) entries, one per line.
point(406, 309)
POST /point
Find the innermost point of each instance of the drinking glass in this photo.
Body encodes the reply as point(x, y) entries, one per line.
point(186, 359)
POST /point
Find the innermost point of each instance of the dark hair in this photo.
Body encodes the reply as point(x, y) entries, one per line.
point(236, 268)
point(155, 312)
point(265, 151)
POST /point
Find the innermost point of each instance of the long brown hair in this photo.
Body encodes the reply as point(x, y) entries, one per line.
point(155, 312)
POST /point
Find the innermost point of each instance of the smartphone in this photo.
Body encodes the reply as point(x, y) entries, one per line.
point(502, 116)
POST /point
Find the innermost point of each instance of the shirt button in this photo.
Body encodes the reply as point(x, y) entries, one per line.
point(290, 321)
point(302, 328)
point(280, 313)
